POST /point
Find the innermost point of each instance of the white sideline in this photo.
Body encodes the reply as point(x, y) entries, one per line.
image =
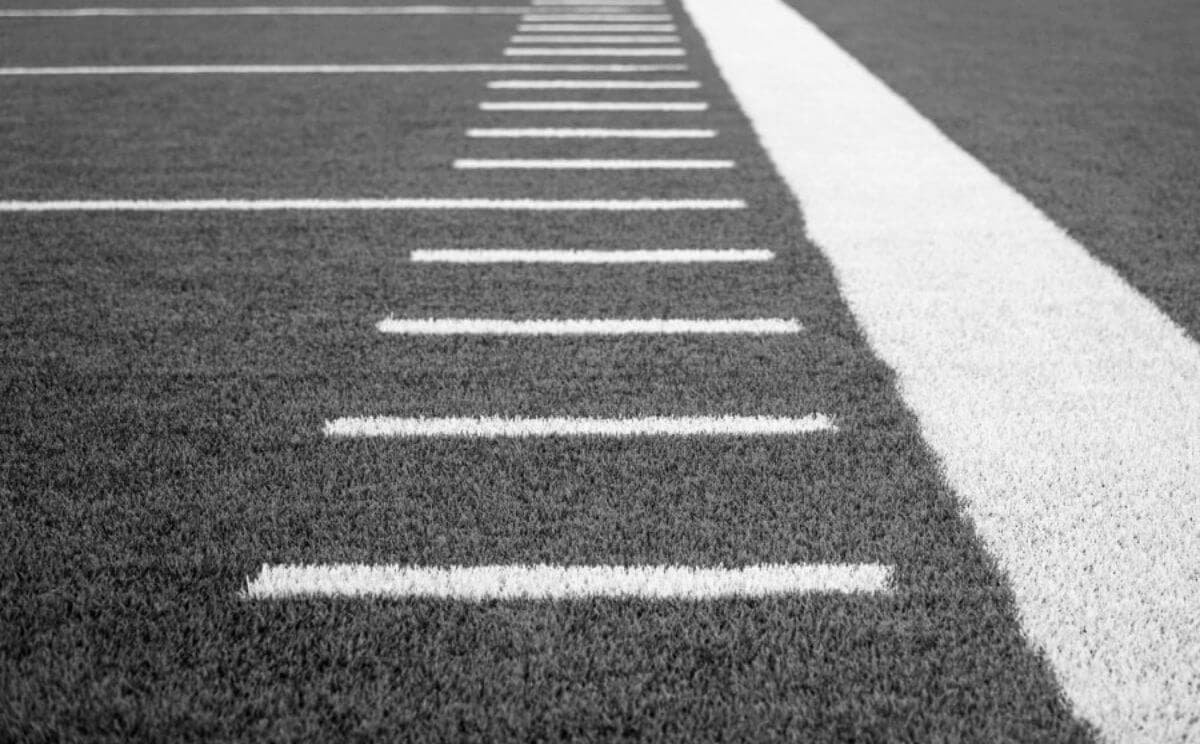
point(267, 10)
point(1063, 405)
point(588, 257)
point(585, 327)
point(593, 18)
point(492, 427)
point(332, 69)
point(595, 52)
point(263, 205)
point(545, 582)
point(594, 85)
point(585, 133)
point(597, 27)
point(591, 164)
point(593, 39)
point(590, 106)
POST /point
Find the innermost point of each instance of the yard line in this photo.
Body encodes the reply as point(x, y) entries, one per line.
point(548, 582)
point(595, 52)
point(332, 69)
point(266, 10)
point(591, 18)
point(583, 133)
point(457, 256)
point(594, 85)
point(586, 327)
point(263, 205)
point(593, 39)
point(651, 426)
point(589, 164)
point(591, 106)
point(597, 27)
point(1061, 403)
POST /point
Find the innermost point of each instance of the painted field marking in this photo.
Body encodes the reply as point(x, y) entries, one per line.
point(330, 69)
point(591, 18)
point(457, 256)
point(590, 164)
point(597, 27)
point(1062, 404)
point(580, 84)
point(265, 10)
point(491, 427)
point(595, 52)
point(585, 133)
point(592, 106)
point(546, 582)
point(586, 327)
point(266, 205)
point(593, 39)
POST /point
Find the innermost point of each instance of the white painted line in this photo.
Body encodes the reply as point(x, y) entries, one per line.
point(591, 18)
point(582, 84)
point(455, 256)
point(263, 205)
point(590, 164)
point(586, 327)
point(594, 39)
point(583, 133)
point(595, 52)
point(602, 28)
point(590, 106)
point(331, 69)
point(1063, 406)
point(546, 582)
point(265, 10)
point(651, 426)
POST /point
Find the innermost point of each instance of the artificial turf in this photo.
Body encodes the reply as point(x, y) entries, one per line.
point(166, 378)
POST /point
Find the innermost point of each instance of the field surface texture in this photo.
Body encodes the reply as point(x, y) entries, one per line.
point(821, 370)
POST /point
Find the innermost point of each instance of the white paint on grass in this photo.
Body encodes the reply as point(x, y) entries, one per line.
point(266, 205)
point(1064, 406)
point(589, 257)
point(587, 327)
point(491, 427)
point(592, 106)
point(584, 84)
point(595, 52)
point(595, 133)
point(331, 69)
point(590, 164)
point(593, 39)
point(597, 28)
point(547, 582)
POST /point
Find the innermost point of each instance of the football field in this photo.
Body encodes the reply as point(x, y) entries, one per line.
point(639, 370)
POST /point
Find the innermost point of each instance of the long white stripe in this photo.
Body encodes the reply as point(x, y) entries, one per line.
point(595, 52)
point(545, 582)
point(597, 27)
point(591, 164)
point(265, 10)
point(1063, 405)
point(596, 133)
point(260, 205)
point(493, 427)
point(590, 106)
point(589, 257)
point(583, 84)
point(592, 18)
point(585, 327)
point(593, 39)
point(331, 69)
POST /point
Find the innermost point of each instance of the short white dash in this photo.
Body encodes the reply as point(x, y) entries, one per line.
point(593, 39)
point(583, 84)
point(595, 18)
point(591, 164)
point(585, 133)
point(595, 52)
point(492, 427)
point(455, 256)
point(586, 327)
point(591, 106)
point(597, 28)
point(549, 582)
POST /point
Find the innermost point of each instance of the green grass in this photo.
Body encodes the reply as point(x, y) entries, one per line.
point(165, 379)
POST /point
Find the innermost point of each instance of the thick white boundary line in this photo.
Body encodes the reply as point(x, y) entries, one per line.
point(544, 582)
point(265, 205)
point(593, 39)
point(586, 327)
point(594, 85)
point(265, 10)
point(585, 133)
point(492, 427)
point(330, 69)
point(592, 18)
point(602, 28)
point(595, 52)
point(455, 256)
point(1064, 406)
point(591, 164)
point(592, 106)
